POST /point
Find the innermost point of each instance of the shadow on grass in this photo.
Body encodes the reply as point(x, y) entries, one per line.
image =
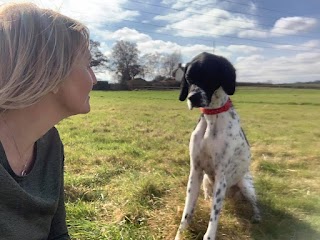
point(235, 224)
point(278, 224)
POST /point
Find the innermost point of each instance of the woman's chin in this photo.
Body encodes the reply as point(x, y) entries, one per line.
point(84, 110)
point(86, 107)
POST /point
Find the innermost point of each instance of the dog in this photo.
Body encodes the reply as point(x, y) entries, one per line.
point(219, 150)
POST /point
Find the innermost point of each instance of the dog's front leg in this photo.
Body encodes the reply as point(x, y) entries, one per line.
point(195, 176)
point(219, 191)
point(194, 182)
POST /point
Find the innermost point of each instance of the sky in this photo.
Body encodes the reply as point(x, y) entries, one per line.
point(274, 41)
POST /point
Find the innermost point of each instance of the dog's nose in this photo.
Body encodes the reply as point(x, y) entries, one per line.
point(196, 99)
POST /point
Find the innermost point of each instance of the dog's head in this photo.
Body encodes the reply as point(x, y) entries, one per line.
point(203, 76)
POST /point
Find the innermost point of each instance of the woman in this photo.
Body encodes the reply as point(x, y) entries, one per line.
point(45, 76)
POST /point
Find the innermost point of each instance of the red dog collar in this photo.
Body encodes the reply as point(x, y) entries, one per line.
point(213, 111)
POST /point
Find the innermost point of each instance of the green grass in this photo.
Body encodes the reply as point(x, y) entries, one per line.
point(127, 166)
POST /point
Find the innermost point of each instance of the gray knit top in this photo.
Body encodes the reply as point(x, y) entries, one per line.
point(32, 207)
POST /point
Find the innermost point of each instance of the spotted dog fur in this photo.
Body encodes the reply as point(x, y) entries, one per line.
point(219, 150)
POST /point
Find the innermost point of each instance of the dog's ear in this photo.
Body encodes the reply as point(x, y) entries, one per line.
point(184, 86)
point(228, 81)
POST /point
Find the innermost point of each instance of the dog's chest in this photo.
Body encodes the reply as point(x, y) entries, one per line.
point(219, 145)
point(215, 145)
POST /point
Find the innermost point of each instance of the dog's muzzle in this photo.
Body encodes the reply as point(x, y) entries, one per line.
point(197, 98)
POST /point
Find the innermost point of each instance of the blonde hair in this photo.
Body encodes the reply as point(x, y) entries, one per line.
point(38, 50)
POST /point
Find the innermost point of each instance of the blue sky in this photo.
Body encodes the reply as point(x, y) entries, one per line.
point(267, 40)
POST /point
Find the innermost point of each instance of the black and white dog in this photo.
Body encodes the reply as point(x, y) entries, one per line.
point(219, 151)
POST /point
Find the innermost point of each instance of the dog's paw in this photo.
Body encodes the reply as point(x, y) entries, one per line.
point(208, 236)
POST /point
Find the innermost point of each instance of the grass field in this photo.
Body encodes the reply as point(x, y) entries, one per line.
point(127, 166)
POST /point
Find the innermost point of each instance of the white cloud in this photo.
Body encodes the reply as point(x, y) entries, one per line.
point(282, 27)
point(209, 24)
point(195, 20)
point(146, 44)
point(243, 49)
point(299, 67)
point(311, 45)
point(168, 2)
point(311, 57)
point(191, 51)
point(94, 12)
point(131, 35)
point(195, 5)
point(293, 25)
point(160, 46)
point(256, 33)
point(173, 17)
point(252, 7)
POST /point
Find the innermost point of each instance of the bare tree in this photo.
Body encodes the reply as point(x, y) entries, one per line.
point(99, 60)
point(170, 63)
point(124, 61)
point(151, 63)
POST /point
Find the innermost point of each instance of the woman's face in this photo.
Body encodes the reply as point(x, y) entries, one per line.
point(73, 94)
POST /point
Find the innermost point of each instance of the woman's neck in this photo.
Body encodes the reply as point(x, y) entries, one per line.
point(21, 128)
point(28, 124)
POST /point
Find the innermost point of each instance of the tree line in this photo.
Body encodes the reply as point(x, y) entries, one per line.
point(127, 63)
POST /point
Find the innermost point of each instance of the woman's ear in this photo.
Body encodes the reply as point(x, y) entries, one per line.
point(184, 87)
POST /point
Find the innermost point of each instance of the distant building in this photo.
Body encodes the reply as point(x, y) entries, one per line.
point(178, 73)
